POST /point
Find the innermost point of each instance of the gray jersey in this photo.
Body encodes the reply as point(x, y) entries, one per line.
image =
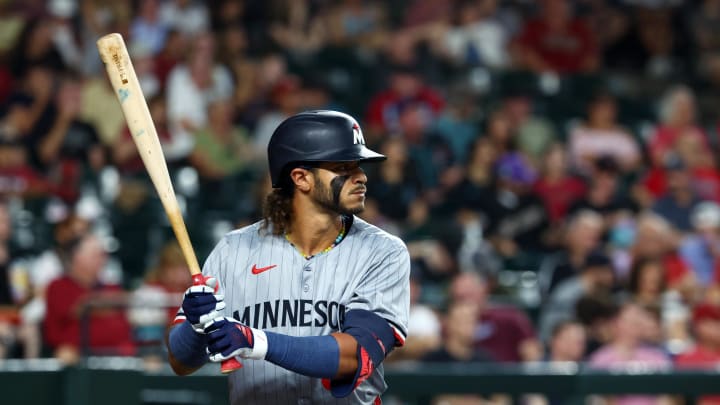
point(269, 285)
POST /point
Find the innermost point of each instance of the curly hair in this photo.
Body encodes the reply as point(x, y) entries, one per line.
point(277, 211)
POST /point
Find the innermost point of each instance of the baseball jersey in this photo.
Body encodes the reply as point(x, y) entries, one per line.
point(269, 285)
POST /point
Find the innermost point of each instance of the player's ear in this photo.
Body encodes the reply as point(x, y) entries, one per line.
point(302, 179)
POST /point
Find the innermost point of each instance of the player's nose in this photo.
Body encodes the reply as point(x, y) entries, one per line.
point(358, 176)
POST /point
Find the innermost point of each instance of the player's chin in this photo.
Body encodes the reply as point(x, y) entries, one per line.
point(354, 207)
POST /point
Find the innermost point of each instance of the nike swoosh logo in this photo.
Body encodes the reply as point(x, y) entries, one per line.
point(258, 270)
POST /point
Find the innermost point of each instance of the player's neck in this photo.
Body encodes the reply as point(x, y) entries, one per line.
point(312, 232)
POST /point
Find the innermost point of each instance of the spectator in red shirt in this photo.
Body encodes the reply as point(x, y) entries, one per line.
point(556, 41)
point(706, 353)
point(406, 87)
point(556, 187)
point(108, 330)
point(504, 331)
point(678, 122)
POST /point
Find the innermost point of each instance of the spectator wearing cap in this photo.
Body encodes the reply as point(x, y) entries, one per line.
point(516, 218)
point(706, 352)
point(596, 276)
point(702, 249)
point(679, 199)
point(706, 330)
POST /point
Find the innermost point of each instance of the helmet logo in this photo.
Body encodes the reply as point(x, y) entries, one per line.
point(357, 135)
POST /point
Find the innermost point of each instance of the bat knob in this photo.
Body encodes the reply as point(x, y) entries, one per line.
point(230, 365)
point(198, 279)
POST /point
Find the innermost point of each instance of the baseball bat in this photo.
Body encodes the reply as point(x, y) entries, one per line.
point(126, 85)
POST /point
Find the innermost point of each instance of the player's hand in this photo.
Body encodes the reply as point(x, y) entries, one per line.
point(228, 338)
point(201, 305)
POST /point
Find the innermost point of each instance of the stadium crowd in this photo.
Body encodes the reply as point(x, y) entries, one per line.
point(552, 165)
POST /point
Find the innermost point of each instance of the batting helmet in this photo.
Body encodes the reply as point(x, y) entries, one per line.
point(316, 136)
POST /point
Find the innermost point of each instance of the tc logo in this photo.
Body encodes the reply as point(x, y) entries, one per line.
point(357, 135)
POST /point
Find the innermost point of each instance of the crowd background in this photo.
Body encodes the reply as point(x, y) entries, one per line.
point(552, 165)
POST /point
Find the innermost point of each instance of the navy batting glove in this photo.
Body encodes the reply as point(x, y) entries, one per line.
point(228, 338)
point(200, 304)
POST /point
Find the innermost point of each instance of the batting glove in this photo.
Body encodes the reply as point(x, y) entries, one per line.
point(228, 338)
point(201, 305)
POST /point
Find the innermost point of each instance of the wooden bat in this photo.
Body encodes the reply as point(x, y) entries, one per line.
point(126, 85)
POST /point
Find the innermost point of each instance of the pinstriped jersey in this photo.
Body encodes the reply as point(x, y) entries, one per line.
point(269, 285)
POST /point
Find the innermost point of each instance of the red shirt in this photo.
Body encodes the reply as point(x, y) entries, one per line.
point(665, 138)
point(700, 358)
point(500, 332)
point(384, 108)
point(559, 196)
point(109, 329)
point(564, 52)
point(676, 269)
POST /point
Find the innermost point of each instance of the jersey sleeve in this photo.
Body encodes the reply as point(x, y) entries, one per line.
point(214, 267)
point(385, 289)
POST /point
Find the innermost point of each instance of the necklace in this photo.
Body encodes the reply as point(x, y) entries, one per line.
point(337, 240)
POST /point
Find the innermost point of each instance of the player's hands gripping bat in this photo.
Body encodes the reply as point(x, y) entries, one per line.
point(114, 54)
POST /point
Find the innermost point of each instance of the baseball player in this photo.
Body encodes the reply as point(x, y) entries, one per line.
point(311, 298)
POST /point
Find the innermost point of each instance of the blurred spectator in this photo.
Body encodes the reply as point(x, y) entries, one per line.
point(147, 28)
point(430, 153)
point(517, 218)
point(701, 250)
point(597, 314)
point(233, 53)
point(677, 115)
point(604, 194)
point(600, 135)
point(647, 286)
point(626, 349)
point(48, 266)
point(395, 183)
point(191, 86)
point(357, 23)
point(187, 16)
point(296, 28)
point(567, 342)
point(556, 41)
point(424, 328)
point(68, 324)
point(156, 301)
point(556, 186)
point(596, 277)
point(432, 242)
point(504, 331)
point(656, 239)
point(499, 132)
point(706, 37)
point(531, 134)
point(71, 146)
point(476, 38)
point(706, 330)
point(222, 156)
point(679, 199)
point(478, 179)
point(459, 327)
point(283, 100)
point(583, 234)
point(36, 47)
point(406, 86)
point(457, 345)
point(100, 107)
point(172, 54)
